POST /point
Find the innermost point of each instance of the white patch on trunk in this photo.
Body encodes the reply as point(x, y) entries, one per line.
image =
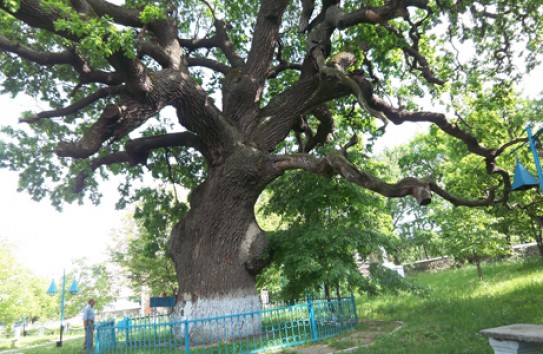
point(230, 326)
point(234, 303)
point(250, 236)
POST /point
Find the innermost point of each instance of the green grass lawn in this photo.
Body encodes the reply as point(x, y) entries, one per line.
point(446, 320)
point(456, 307)
point(47, 344)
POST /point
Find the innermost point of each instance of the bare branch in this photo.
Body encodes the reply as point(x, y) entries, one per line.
point(155, 51)
point(400, 115)
point(276, 70)
point(35, 15)
point(352, 142)
point(336, 163)
point(73, 108)
point(283, 64)
point(137, 151)
point(505, 146)
point(325, 128)
point(103, 77)
point(120, 14)
point(115, 157)
point(42, 58)
point(489, 200)
point(209, 63)
point(419, 61)
point(376, 15)
point(226, 45)
point(198, 43)
point(265, 37)
point(423, 66)
point(220, 40)
point(115, 122)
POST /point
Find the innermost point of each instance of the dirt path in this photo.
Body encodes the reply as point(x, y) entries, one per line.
point(363, 337)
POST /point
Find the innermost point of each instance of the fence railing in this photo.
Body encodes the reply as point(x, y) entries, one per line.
point(249, 332)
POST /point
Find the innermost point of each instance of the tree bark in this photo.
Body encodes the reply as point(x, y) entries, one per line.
point(218, 247)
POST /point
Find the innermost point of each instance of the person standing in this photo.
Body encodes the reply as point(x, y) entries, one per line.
point(88, 323)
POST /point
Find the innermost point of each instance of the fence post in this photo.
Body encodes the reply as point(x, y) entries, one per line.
point(314, 333)
point(187, 338)
point(354, 308)
point(89, 339)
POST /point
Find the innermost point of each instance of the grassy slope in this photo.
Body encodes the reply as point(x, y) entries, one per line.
point(457, 307)
point(448, 318)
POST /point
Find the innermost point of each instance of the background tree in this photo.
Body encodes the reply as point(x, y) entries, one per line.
point(515, 220)
point(243, 78)
point(21, 293)
point(100, 282)
point(469, 235)
point(416, 231)
point(323, 226)
point(140, 250)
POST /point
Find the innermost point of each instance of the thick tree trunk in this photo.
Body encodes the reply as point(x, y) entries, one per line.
point(218, 247)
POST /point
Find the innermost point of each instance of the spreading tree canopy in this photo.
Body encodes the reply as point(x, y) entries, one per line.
point(258, 88)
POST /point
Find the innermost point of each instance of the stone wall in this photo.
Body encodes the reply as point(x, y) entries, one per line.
point(438, 263)
point(525, 250)
point(430, 265)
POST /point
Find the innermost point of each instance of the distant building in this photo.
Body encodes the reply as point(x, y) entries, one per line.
point(382, 258)
point(121, 307)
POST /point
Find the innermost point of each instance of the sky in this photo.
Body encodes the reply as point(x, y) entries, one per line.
point(46, 241)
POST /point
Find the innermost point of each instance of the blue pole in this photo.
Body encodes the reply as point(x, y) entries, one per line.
point(187, 338)
point(536, 158)
point(62, 306)
point(313, 323)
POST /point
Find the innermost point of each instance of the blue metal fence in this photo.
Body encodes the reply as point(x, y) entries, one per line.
point(249, 332)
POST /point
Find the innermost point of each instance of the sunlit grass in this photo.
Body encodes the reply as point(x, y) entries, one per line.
point(47, 345)
point(446, 320)
point(457, 306)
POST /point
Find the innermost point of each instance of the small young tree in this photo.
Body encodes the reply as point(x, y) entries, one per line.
point(21, 292)
point(140, 251)
point(470, 235)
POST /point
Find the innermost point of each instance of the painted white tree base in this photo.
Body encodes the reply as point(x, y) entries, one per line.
point(218, 319)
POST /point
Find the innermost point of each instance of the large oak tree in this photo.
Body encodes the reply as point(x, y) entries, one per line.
point(258, 89)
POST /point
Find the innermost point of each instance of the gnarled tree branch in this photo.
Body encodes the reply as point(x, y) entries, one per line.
point(138, 150)
point(337, 163)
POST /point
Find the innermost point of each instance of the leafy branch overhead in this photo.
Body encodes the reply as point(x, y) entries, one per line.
point(267, 81)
